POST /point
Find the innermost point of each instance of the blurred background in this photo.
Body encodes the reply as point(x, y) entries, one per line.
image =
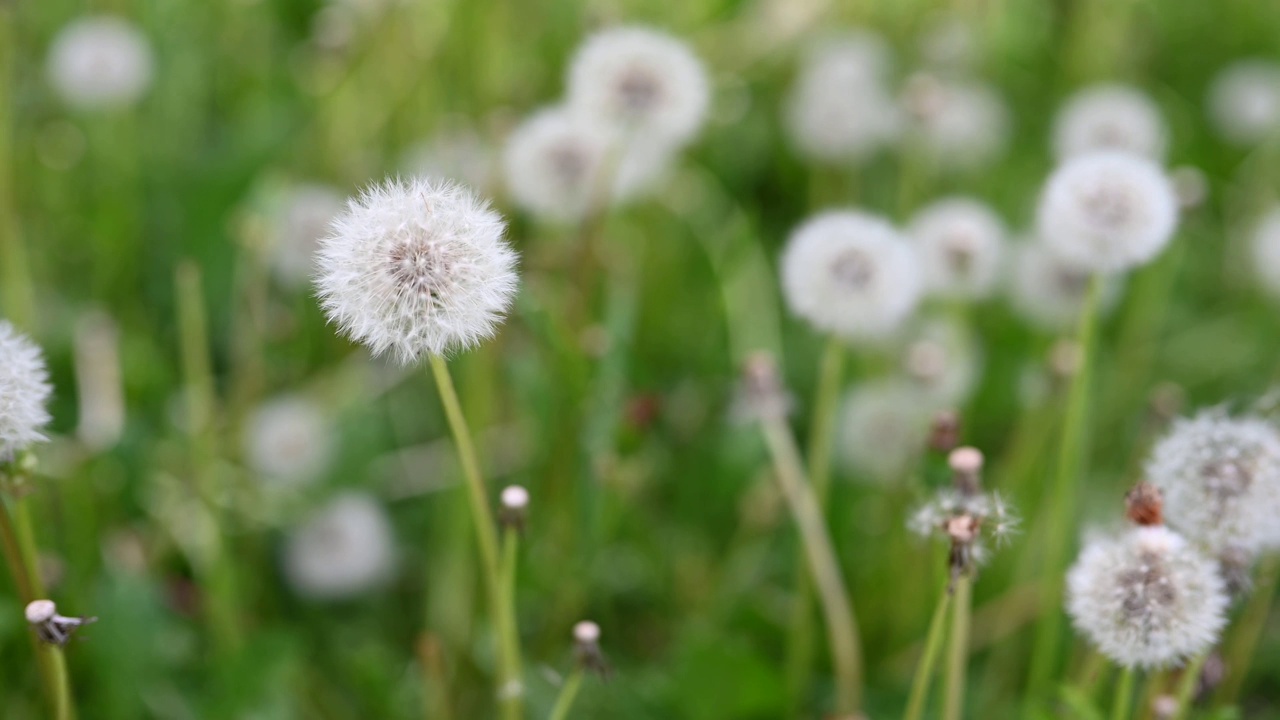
point(269, 523)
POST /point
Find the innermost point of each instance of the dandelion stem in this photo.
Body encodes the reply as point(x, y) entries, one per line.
point(1123, 695)
point(1187, 685)
point(842, 628)
point(509, 693)
point(60, 681)
point(924, 671)
point(1060, 507)
point(568, 693)
point(510, 634)
point(1241, 650)
point(958, 651)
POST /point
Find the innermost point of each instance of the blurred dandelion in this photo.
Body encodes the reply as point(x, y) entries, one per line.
point(1049, 291)
point(100, 62)
point(1244, 101)
point(1265, 247)
point(958, 124)
point(343, 549)
point(24, 392)
point(288, 440)
point(881, 429)
point(944, 359)
point(455, 152)
point(302, 217)
point(1110, 117)
point(961, 247)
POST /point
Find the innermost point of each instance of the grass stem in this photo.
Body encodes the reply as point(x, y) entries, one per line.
point(1123, 699)
point(958, 649)
point(924, 671)
point(568, 693)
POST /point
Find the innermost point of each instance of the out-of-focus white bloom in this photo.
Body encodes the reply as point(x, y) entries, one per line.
point(959, 124)
point(944, 360)
point(1049, 291)
point(1221, 481)
point(961, 246)
point(98, 382)
point(1244, 101)
point(417, 267)
point(640, 83)
point(852, 274)
point(840, 108)
point(1266, 250)
point(1146, 598)
point(343, 549)
point(24, 392)
point(947, 44)
point(455, 153)
point(882, 429)
point(1108, 211)
point(1190, 185)
point(100, 62)
point(301, 218)
point(1110, 117)
point(289, 440)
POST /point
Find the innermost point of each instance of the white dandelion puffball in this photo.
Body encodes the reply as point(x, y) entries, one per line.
point(344, 549)
point(1110, 117)
point(944, 360)
point(24, 392)
point(960, 124)
point(852, 274)
point(1108, 211)
point(288, 440)
point(1244, 101)
point(840, 108)
point(1050, 291)
point(457, 153)
point(882, 428)
point(1220, 476)
point(100, 62)
point(961, 247)
point(1146, 598)
point(302, 217)
point(1266, 250)
point(417, 267)
point(640, 83)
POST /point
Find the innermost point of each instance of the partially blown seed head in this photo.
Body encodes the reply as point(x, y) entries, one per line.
point(1110, 117)
point(961, 246)
point(1244, 101)
point(343, 549)
point(24, 392)
point(100, 62)
point(417, 267)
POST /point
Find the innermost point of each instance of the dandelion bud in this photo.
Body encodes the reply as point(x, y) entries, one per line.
point(1146, 598)
point(961, 246)
point(1266, 251)
point(586, 643)
point(1110, 117)
point(850, 273)
point(1144, 505)
point(960, 125)
point(1244, 101)
point(51, 627)
point(417, 267)
point(1108, 211)
point(24, 392)
point(966, 467)
point(840, 108)
point(944, 432)
point(513, 507)
point(1221, 481)
point(640, 83)
point(288, 440)
point(100, 62)
point(301, 217)
point(343, 549)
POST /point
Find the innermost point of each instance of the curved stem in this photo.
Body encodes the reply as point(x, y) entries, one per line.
point(924, 671)
point(1187, 685)
point(958, 651)
point(568, 694)
point(1124, 695)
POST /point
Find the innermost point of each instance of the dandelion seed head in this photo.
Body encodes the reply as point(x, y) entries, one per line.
point(1265, 246)
point(944, 360)
point(961, 245)
point(1146, 598)
point(948, 44)
point(1244, 101)
point(840, 108)
point(1190, 185)
point(882, 428)
point(416, 267)
point(1108, 211)
point(24, 392)
point(100, 62)
point(288, 440)
point(302, 218)
point(1050, 291)
point(344, 549)
point(1220, 476)
point(960, 124)
point(456, 152)
point(640, 83)
point(1110, 117)
point(851, 274)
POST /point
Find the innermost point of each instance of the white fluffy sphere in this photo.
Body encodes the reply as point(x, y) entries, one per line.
point(417, 267)
point(1221, 481)
point(1266, 250)
point(961, 246)
point(882, 428)
point(455, 153)
point(302, 217)
point(1108, 211)
point(852, 274)
point(100, 62)
point(1146, 598)
point(1050, 291)
point(943, 358)
point(343, 549)
point(288, 440)
point(1110, 117)
point(1244, 101)
point(641, 84)
point(959, 124)
point(24, 392)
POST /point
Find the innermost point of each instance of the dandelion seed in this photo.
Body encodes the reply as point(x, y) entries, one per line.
point(417, 267)
point(288, 440)
point(302, 217)
point(961, 244)
point(851, 274)
point(24, 392)
point(1050, 291)
point(1244, 101)
point(100, 62)
point(640, 84)
point(840, 108)
point(1110, 117)
point(344, 549)
point(1108, 211)
point(959, 124)
point(882, 428)
point(1265, 245)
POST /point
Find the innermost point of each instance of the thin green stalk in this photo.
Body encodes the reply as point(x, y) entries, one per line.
point(16, 290)
point(510, 634)
point(63, 709)
point(924, 671)
point(958, 650)
point(568, 694)
point(801, 632)
point(510, 698)
point(1061, 505)
point(1248, 630)
point(1123, 699)
point(842, 628)
point(1187, 685)
point(13, 556)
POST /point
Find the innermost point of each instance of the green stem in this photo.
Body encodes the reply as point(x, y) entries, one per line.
point(568, 694)
point(1187, 685)
point(1061, 506)
point(13, 556)
point(958, 650)
point(842, 628)
point(63, 709)
point(1124, 695)
point(509, 696)
point(1248, 630)
point(510, 634)
point(924, 672)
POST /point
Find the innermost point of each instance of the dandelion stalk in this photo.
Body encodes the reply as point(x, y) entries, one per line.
point(924, 671)
point(568, 693)
point(1240, 652)
point(958, 651)
point(1123, 695)
point(510, 634)
point(1187, 685)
